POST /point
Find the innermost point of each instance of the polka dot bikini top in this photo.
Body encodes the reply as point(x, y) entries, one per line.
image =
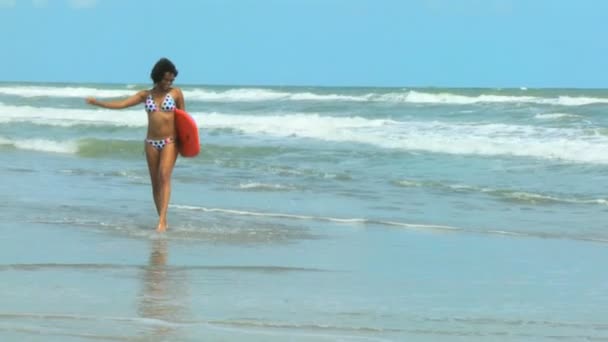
point(167, 106)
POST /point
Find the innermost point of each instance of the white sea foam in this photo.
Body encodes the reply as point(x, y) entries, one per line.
point(62, 91)
point(457, 99)
point(235, 95)
point(435, 228)
point(267, 94)
point(315, 218)
point(556, 116)
point(565, 144)
point(256, 186)
point(506, 194)
point(196, 94)
point(70, 117)
point(43, 145)
point(446, 98)
point(257, 94)
point(406, 96)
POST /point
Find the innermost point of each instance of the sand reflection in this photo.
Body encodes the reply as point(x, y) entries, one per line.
point(163, 294)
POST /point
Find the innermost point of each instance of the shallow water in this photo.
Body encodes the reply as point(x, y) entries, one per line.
point(311, 214)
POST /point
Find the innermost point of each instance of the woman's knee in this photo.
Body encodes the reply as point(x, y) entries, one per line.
point(164, 177)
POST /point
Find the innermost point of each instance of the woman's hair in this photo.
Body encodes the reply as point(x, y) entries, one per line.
point(160, 68)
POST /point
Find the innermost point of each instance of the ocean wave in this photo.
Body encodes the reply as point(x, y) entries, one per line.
point(435, 327)
point(493, 139)
point(38, 325)
point(242, 94)
point(406, 96)
point(69, 117)
point(257, 186)
point(241, 226)
point(82, 147)
point(556, 116)
point(41, 145)
point(102, 267)
point(223, 156)
point(458, 99)
point(133, 176)
point(255, 95)
point(313, 218)
point(434, 228)
point(311, 327)
point(504, 194)
point(196, 94)
point(211, 229)
point(563, 144)
point(63, 91)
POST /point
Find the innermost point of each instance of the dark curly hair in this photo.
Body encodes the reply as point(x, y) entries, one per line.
point(161, 67)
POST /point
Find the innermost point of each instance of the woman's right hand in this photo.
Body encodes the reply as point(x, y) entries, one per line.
point(91, 100)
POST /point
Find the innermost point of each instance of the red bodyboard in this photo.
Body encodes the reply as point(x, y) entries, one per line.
point(188, 143)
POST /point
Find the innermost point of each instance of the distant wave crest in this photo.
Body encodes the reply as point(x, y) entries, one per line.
point(241, 94)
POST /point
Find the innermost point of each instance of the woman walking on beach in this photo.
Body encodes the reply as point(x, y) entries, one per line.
point(160, 144)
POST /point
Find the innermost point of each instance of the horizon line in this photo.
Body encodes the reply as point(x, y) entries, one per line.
point(269, 85)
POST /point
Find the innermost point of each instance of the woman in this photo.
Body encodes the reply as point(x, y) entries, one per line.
point(160, 145)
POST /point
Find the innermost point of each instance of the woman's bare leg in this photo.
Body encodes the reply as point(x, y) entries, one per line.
point(153, 158)
point(168, 156)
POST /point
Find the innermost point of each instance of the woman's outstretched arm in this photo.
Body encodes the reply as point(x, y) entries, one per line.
point(119, 104)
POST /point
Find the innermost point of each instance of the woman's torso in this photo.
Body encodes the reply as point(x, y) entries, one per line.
point(160, 107)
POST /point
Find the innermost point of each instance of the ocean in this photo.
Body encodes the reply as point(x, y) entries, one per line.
point(311, 214)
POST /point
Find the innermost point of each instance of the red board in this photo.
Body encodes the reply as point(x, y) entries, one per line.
point(188, 143)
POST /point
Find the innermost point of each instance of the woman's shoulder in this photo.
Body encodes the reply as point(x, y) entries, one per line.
point(144, 93)
point(176, 91)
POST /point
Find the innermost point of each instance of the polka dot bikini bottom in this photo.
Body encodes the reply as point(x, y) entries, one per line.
point(160, 144)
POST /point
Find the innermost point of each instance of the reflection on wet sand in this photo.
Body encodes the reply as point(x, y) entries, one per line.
point(163, 294)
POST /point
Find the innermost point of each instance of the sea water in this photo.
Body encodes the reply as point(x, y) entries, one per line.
point(311, 214)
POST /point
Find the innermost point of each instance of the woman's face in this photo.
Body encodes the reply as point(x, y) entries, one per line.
point(167, 81)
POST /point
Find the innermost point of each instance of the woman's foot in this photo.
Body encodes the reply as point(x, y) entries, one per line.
point(162, 227)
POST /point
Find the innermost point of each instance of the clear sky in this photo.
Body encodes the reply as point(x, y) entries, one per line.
point(443, 43)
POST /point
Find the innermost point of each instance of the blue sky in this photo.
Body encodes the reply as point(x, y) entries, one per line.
point(443, 43)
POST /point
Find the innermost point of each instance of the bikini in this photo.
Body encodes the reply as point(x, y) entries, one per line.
point(168, 105)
